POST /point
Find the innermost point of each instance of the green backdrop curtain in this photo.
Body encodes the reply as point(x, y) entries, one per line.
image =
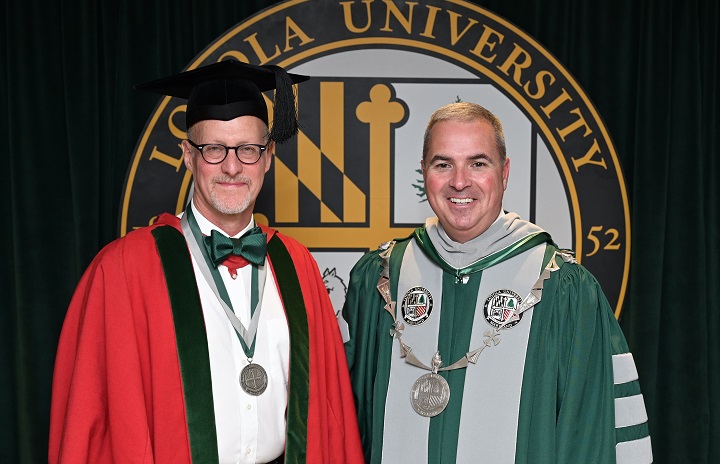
point(69, 121)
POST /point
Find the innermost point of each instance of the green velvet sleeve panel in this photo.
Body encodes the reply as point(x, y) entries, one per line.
point(567, 407)
point(192, 343)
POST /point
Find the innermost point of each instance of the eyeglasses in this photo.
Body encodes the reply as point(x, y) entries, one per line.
point(215, 153)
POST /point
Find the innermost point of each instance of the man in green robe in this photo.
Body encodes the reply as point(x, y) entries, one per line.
point(427, 313)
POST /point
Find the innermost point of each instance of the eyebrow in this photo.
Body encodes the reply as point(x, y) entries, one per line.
point(478, 156)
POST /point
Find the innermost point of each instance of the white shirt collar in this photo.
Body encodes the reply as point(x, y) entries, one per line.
point(206, 227)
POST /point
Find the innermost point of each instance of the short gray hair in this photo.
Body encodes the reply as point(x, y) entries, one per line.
point(466, 112)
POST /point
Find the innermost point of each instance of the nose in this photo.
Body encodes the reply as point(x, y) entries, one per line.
point(231, 165)
point(460, 178)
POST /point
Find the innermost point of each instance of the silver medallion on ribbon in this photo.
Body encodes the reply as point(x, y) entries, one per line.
point(253, 379)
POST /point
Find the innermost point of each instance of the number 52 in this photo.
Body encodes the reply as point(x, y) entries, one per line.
point(612, 244)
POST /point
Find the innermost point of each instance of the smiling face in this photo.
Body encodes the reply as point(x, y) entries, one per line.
point(465, 177)
point(225, 193)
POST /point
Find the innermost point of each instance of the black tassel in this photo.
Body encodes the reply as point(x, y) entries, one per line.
point(285, 123)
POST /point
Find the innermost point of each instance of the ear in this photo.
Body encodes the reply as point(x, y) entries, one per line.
point(270, 152)
point(187, 155)
point(506, 173)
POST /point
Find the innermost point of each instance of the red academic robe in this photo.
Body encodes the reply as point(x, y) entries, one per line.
point(118, 391)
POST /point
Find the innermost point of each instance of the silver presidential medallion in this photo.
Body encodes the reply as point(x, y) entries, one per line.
point(253, 379)
point(417, 305)
point(430, 395)
point(501, 309)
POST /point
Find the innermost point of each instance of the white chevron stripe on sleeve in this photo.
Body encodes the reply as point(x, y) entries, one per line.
point(634, 452)
point(630, 411)
point(624, 369)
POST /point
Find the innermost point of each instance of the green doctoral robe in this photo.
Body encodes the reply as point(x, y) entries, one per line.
point(561, 388)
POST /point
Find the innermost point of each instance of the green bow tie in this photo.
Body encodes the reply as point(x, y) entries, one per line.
point(252, 246)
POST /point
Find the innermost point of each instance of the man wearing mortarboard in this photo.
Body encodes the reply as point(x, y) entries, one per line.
point(207, 338)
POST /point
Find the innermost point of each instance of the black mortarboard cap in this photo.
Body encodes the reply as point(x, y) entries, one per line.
point(230, 89)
